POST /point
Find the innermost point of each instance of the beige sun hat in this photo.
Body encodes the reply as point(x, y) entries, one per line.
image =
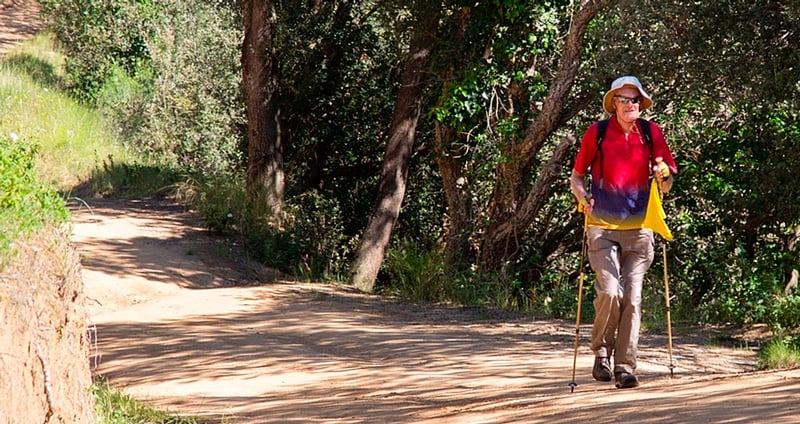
point(630, 81)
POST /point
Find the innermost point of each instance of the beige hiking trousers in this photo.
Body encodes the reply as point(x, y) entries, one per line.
point(620, 259)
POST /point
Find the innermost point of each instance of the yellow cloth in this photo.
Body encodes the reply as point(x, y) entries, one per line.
point(654, 215)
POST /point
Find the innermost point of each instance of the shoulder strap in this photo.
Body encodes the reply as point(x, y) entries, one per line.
point(648, 137)
point(602, 126)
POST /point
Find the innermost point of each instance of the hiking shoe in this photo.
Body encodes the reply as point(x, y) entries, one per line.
point(602, 369)
point(625, 380)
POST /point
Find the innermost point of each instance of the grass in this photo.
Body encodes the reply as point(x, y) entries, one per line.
point(780, 353)
point(77, 148)
point(51, 143)
point(72, 136)
point(114, 407)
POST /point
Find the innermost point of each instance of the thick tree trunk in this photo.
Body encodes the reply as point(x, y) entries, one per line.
point(261, 80)
point(513, 206)
point(394, 173)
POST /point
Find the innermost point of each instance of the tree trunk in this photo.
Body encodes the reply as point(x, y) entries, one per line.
point(502, 239)
point(261, 81)
point(513, 206)
point(394, 172)
point(458, 220)
point(458, 253)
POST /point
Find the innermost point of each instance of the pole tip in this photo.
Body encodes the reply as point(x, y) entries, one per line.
point(572, 387)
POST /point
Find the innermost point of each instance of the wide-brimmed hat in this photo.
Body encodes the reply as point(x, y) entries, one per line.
point(629, 81)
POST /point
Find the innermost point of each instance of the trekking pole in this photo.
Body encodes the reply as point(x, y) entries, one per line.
point(573, 384)
point(669, 318)
point(666, 296)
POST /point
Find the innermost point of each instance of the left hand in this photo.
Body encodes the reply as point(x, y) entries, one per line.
point(661, 170)
point(663, 175)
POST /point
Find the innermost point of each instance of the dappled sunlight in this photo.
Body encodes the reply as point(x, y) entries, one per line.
point(294, 345)
point(143, 245)
point(18, 24)
point(177, 332)
point(285, 350)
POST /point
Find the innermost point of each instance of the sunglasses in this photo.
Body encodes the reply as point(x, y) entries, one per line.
point(625, 100)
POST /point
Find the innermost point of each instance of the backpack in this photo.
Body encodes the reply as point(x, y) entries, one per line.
point(602, 126)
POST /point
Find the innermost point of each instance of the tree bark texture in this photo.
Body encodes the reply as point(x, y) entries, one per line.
point(513, 205)
point(394, 172)
point(261, 81)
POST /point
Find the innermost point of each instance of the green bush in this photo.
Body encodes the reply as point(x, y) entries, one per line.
point(309, 240)
point(305, 239)
point(784, 313)
point(25, 203)
point(167, 73)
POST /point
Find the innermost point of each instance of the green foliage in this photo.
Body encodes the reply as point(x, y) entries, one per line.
point(337, 92)
point(739, 215)
point(783, 312)
point(313, 242)
point(26, 203)
point(131, 178)
point(505, 49)
point(100, 34)
point(415, 273)
point(186, 104)
point(780, 353)
point(306, 239)
point(167, 72)
point(114, 407)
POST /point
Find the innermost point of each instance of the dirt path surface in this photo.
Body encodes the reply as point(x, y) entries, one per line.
point(19, 21)
point(182, 325)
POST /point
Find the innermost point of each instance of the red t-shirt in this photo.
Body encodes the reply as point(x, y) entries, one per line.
point(620, 194)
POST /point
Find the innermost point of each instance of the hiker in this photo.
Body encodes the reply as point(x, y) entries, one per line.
point(620, 250)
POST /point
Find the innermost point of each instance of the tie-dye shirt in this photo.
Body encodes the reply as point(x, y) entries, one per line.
point(621, 201)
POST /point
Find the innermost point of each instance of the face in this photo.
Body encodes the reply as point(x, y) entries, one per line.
point(627, 111)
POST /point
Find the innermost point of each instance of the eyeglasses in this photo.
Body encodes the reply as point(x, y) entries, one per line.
point(625, 100)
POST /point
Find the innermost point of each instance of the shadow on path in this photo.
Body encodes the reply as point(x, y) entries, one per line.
point(19, 21)
point(200, 340)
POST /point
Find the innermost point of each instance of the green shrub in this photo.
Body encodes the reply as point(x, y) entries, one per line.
point(129, 178)
point(166, 72)
point(785, 312)
point(186, 103)
point(25, 202)
point(308, 240)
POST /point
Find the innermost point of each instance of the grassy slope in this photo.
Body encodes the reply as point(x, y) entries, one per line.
point(74, 147)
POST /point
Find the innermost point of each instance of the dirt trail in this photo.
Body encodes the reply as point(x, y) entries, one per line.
point(181, 326)
point(19, 21)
